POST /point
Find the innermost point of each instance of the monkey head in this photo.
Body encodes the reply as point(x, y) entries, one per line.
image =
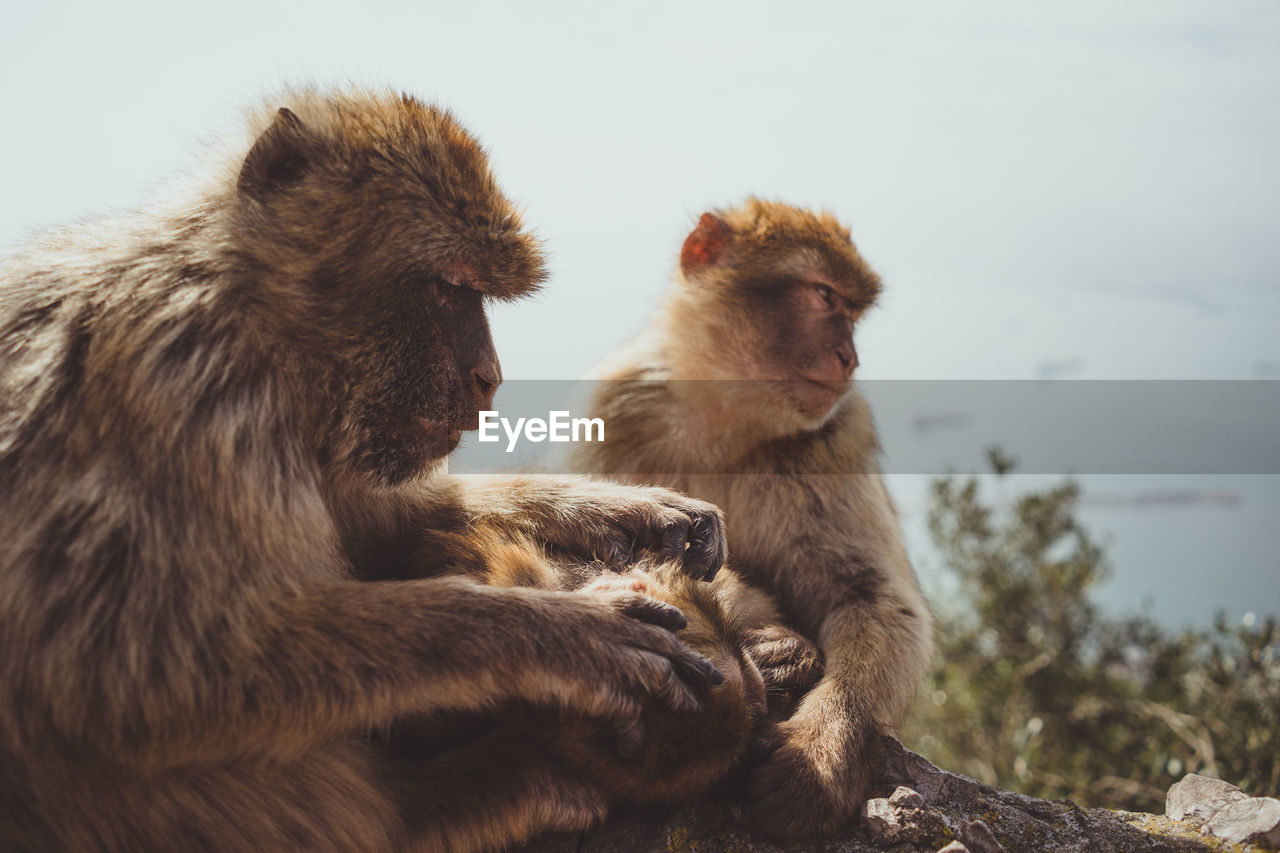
point(767, 296)
point(370, 233)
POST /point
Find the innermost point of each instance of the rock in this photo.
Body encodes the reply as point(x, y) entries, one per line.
point(979, 838)
point(889, 819)
point(1246, 821)
point(953, 813)
point(1197, 798)
point(907, 798)
point(881, 819)
point(901, 766)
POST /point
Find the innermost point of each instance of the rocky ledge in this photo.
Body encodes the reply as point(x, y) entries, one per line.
point(922, 809)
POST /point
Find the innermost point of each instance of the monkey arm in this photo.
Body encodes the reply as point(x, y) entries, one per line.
point(345, 656)
point(818, 776)
point(596, 520)
point(858, 598)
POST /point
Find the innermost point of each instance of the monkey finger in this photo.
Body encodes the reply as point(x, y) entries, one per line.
point(683, 677)
point(785, 679)
point(771, 652)
point(650, 610)
point(674, 540)
point(707, 550)
point(696, 669)
point(783, 652)
point(675, 692)
point(678, 660)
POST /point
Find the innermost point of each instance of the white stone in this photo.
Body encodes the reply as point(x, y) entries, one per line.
point(1198, 798)
point(907, 798)
point(882, 819)
point(1248, 820)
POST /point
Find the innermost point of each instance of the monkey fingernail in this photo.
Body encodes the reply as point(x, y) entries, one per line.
point(700, 670)
point(656, 613)
point(670, 618)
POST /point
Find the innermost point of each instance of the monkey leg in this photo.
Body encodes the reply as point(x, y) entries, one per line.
point(501, 789)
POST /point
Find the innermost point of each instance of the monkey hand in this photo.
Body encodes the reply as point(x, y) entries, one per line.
point(620, 653)
point(789, 664)
point(816, 779)
point(608, 522)
point(671, 526)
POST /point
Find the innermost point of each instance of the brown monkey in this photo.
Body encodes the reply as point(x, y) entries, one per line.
point(665, 758)
point(226, 545)
point(668, 758)
point(740, 393)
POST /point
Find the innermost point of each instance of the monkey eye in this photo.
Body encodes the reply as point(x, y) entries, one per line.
point(828, 296)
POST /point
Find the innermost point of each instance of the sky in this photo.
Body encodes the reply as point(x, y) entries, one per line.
point(1076, 191)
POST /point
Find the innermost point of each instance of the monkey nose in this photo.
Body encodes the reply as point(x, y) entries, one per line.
point(848, 360)
point(487, 378)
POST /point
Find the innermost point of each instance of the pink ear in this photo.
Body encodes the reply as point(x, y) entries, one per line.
point(706, 243)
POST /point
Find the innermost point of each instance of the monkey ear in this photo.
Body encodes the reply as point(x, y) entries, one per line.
point(277, 159)
point(706, 244)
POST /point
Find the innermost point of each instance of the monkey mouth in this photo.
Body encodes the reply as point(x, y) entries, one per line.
point(444, 432)
point(442, 436)
point(814, 397)
point(834, 386)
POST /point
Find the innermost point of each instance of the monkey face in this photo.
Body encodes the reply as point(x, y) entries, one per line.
point(779, 289)
point(812, 347)
point(431, 369)
point(411, 364)
point(372, 243)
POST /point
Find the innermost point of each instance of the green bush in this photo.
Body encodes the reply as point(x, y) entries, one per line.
point(1036, 691)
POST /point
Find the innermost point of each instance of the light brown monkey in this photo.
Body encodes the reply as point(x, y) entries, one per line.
point(225, 550)
point(741, 393)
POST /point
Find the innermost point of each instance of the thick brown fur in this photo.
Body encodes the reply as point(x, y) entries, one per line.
point(667, 758)
point(227, 554)
point(584, 766)
point(740, 393)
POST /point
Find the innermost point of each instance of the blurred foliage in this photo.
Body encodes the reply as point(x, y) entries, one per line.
point(1035, 690)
